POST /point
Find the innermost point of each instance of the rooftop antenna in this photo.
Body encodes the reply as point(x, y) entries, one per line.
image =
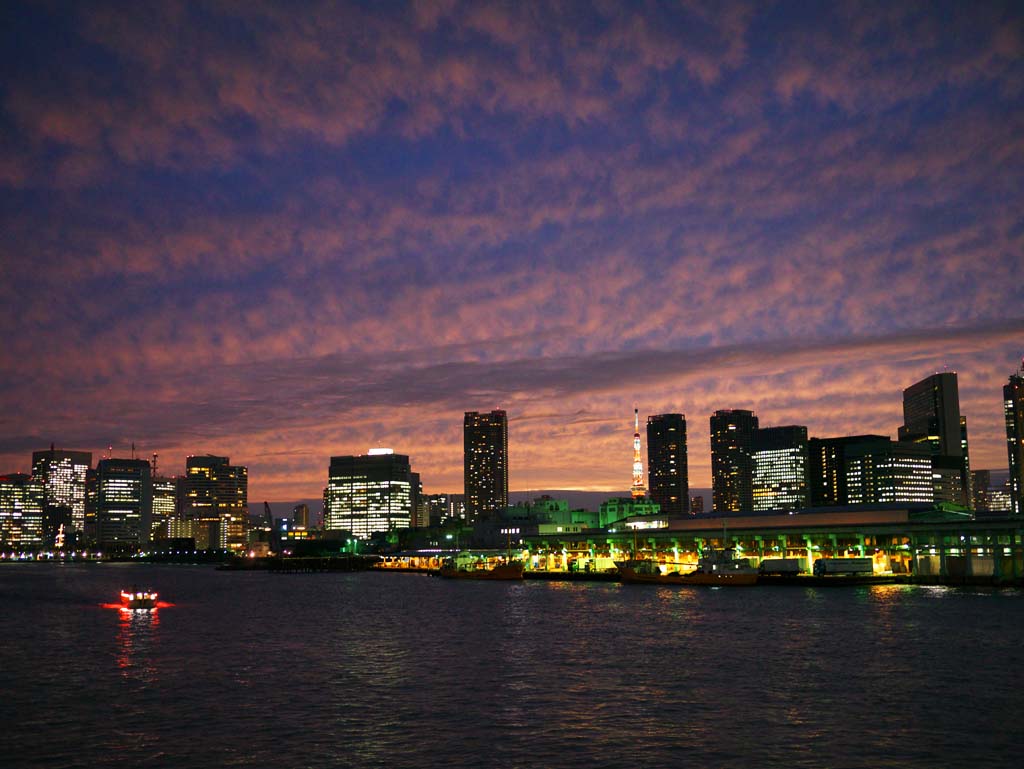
point(133, 449)
point(154, 463)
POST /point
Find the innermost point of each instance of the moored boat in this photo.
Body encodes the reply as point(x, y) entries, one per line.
point(513, 570)
point(138, 599)
point(715, 568)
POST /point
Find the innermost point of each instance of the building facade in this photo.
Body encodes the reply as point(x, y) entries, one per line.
point(124, 503)
point(885, 471)
point(780, 468)
point(667, 474)
point(370, 493)
point(485, 463)
point(214, 502)
point(22, 498)
point(732, 460)
point(63, 476)
point(165, 504)
point(826, 469)
point(931, 417)
point(1013, 409)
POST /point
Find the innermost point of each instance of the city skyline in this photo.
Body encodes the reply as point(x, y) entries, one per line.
point(317, 238)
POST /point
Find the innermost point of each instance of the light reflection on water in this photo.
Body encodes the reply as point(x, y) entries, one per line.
point(399, 670)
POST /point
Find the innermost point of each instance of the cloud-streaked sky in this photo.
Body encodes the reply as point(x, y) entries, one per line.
point(283, 232)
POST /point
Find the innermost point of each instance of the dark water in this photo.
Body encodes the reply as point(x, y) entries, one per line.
point(258, 670)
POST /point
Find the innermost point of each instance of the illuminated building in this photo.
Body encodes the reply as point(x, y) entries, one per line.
point(826, 468)
point(369, 493)
point(931, 416)
point(444, 507)
point(165, 505)
point(485, 463)
point(666, 463)
point(732, 460)
point(638, 491)
point(1013, 408)
point(697, 504)
point(780, 468)
point(215, 502)
point(619, 508)
point(62, 474)
point(884, 471)
point(124, 502)
point(21, 511)
point(300, 514)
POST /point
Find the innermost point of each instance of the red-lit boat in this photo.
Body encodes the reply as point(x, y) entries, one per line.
point(138, 599)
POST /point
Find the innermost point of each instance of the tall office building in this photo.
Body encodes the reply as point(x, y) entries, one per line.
point(732, 460)
point(826, 473)
point(780, 468)
point(369, 493)
point(666, 463)
point(485, 463)
point(21, 511)
point(300, 515)
point(883, 471)
point(215, 502)
point(165, 506)
point(1013, 408)
point(62, 474)
point(124, 503)
point(931, 416)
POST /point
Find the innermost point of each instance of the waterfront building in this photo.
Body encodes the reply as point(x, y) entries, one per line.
point(826, 468)
point(1013, 409)
point(485, 463)
point(22, 498)
point(124, 503)
point(666, 463)
point(732, 460)
point(370, 493)
point(931, 417)
point(300, 514)
point(883, 471)
point(63, 476)
point(780, 468)
point(697, 504)
point(165, 506)
point(620, 508)
point(215, 502)
point(924, 540)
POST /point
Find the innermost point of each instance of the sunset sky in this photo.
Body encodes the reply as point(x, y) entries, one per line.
point(281, 232)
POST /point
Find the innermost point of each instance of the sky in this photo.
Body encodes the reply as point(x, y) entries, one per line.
point(282, 232)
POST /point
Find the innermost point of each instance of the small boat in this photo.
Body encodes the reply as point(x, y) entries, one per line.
point(510, 570)
point(716, 567)
point(138, 599)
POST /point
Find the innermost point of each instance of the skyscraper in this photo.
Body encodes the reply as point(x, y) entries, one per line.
point(1013, 408)
point(826, 473)
point(21, 511)
point(931, 416)
point(165, 500)
point(732, 461)
point(370, 492)
point(780, 468)
point(62, 474)
point(215, 501)
point(485, 463)
point(666, 463)
point(124, 502)
point(883, 471)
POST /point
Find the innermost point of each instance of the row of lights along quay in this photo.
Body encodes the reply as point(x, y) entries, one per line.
point(911, 507)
